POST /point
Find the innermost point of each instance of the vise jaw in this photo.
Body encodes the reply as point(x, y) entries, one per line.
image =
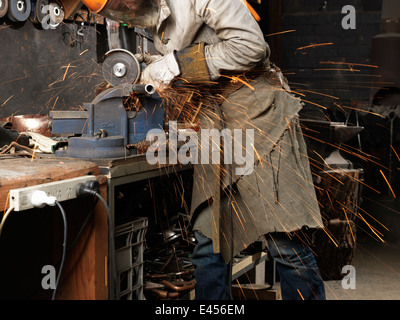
point(105, 127)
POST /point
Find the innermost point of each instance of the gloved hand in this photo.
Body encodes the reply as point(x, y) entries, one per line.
point(147, 58)
point(161, 72)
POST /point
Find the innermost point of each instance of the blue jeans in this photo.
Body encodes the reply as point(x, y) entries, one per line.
point(298, 271)
point(211, 272)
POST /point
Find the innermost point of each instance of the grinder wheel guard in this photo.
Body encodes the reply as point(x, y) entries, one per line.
point(121, 67)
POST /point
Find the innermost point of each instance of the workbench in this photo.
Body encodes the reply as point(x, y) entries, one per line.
point(132, 169)
point(85, 274)
point(32, 239)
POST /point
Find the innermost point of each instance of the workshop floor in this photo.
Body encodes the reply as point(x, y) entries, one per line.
point(377, 268)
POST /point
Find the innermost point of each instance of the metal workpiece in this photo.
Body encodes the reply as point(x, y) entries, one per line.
point(124, 91)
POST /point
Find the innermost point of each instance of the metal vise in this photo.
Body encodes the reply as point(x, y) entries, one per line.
point(105, 128)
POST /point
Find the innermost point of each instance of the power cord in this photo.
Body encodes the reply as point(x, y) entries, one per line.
point(3, 221)
point(64, 248)
point(74, 242)
point(39, 200)
point(93, 188)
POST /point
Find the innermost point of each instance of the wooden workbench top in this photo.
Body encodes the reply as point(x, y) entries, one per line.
point(24, 172)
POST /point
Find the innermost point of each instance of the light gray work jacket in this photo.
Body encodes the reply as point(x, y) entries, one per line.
point(279, 195)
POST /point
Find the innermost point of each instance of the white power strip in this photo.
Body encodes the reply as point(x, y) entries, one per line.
point(21, 199)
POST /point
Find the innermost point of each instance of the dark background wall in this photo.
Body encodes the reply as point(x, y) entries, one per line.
point(45, 69)
point(344, 86)
point(319, 22)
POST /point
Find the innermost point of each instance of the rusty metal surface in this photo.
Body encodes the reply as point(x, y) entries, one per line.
point(30, 123)
point(43, 70)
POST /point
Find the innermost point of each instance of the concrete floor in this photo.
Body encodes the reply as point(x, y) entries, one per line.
point(377, 264)
point(377, 268)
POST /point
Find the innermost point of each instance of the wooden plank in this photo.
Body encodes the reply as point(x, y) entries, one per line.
point(24, 172)
point(241, 266)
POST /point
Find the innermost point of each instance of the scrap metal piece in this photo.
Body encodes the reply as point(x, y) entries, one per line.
point(121, 67)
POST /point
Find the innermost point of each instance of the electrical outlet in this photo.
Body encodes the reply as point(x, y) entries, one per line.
point(21, 199)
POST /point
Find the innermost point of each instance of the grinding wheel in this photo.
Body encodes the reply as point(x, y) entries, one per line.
point(19, 10)
point(39, 11)
point(120, 67)
point(3, 8)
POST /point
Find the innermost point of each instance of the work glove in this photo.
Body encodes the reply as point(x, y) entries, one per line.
point(161, 72)
point(147, 58)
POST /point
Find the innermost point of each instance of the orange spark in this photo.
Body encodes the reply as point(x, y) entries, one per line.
point(34, 150)
point(300, 294)
point(351, 229)
point(55, 103)
point(324, 229)
point(253, 12)
point(13, 80)
point(7, 100)
point(369, 215)
point(322, 94)
point(351, 69)
point(316, 104)
point(397, 155)
point(361, 110)
point(277, 33)
point(315, 45)
point(369, 226)
point(66, 71)
point(236, 79)
point(349, 64)
point(162, 36)
point(240, 287)
point(390, 187)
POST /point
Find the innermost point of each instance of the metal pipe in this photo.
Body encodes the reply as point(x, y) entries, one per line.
point(187, 286)
point(144, 88)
